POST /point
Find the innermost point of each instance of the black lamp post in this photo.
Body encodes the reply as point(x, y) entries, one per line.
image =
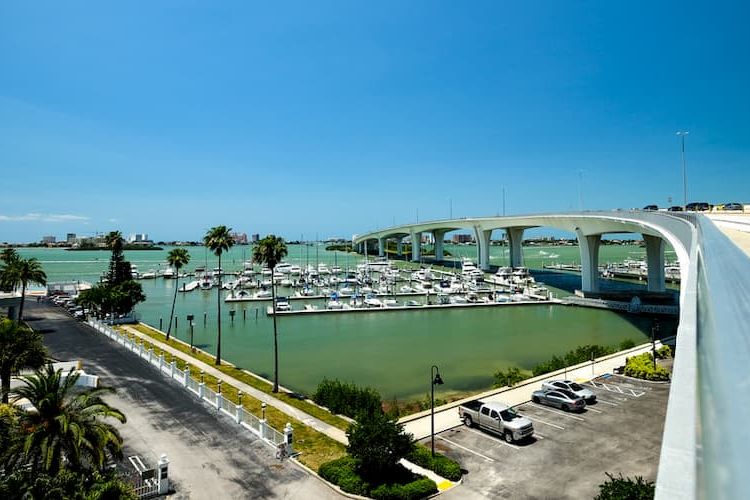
point(434, 380)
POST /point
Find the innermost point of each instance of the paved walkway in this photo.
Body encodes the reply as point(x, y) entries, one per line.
point(736, 227)
point(446, 416)
point(314, 422)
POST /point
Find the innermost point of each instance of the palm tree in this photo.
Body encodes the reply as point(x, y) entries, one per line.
point(68, 425)
point(27, 271)
point(219, 240)
point(176, 258)
point(8, 280)
point(20, 348)
point(270, 251)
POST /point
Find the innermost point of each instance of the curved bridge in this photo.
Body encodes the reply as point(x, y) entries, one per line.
point(706, 432)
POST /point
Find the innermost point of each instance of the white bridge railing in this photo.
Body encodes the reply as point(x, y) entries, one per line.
point(240, 415)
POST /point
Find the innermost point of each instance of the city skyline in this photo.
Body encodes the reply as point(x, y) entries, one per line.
point(344, 117)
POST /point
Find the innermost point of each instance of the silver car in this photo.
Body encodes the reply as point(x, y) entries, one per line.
point(571, 386)
point(561, 398)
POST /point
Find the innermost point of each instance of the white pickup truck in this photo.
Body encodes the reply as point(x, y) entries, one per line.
point(498, 418)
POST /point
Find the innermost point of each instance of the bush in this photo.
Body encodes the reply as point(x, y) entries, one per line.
point(343, 472)
point(378, 443)
point(619, 488)
point(664, 352)
point(642, 366)
point(627, 344)
point(510, 377)
point(439, 464)
point(420, 488)
point(347, 399)
point(574, 357)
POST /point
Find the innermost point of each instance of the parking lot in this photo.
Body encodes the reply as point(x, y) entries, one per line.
point(570, 452)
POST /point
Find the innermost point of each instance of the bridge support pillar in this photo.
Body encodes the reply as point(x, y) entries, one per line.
point(416, 247)
point(400, 247)
point(381, 247)
point(483, 247)
point(655, 263)
point(589, 247)
point(515, 245)
point(438, 235)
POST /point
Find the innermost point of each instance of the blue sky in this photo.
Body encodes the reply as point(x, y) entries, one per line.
point(338, 117)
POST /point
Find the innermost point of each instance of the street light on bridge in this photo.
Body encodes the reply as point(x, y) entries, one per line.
point(682, 134)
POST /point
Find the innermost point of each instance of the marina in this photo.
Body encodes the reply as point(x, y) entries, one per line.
point(471, 343)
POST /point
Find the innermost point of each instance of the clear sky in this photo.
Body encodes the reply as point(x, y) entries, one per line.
point(168, 117)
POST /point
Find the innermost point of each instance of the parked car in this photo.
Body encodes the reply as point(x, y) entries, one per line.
point(651, 208)
point(498, 418)
point(698, 206)
point(560, 398)
point(675, 208)
point(732, 207)
point(569, 385)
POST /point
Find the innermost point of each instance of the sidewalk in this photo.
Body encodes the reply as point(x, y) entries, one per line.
point(300, 415)
point(446, 416)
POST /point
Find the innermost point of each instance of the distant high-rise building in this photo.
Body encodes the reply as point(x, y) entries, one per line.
point(239, 238)
point(463, 238)
point(48, 239)
point(70, 238)
point(256, 238)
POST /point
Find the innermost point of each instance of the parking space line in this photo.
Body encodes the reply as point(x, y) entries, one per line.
point(606, 402)
point(537, 435)
point(484, 434)
point(466, 449)
point(543, 422)
point(558, 412)
point(616, 389)
point(589, 408)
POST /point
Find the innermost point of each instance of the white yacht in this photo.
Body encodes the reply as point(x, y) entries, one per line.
point(295, 270)
point(283, 267)
point(169, 273)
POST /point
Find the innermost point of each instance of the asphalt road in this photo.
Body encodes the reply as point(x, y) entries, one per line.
point(210, 456)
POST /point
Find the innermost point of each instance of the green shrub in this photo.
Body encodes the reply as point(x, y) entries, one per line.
point(619, 488)
point(664, 352)
point(509, 377)
point(343, 473)
point(347, 399)
point(627, 344)
point(642, 366)
point(439, 464)
point(574, 357)
point(421, 488)
point(378, 443)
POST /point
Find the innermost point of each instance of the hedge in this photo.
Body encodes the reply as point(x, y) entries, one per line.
point(642, 366)
point(347, 399)
point(439, 464)
point(343, 473)
point(421, 488)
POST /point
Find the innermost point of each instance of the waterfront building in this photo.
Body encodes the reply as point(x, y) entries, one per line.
point(49, 240)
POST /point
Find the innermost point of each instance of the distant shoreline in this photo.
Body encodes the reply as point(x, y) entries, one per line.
point(126, 247)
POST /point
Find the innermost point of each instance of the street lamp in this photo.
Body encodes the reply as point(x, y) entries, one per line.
point(190, 321)
point(682, 134)
point(434, 380)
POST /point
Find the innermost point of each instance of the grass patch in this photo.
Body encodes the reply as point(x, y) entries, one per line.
point(315, 447)
point(239, 374)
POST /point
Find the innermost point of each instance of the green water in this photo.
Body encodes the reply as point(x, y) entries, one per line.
point(391, 351)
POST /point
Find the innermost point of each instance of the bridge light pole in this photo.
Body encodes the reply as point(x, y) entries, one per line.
point(682, 134)
point(434, 380)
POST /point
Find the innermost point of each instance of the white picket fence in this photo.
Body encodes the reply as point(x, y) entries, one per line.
point(240, 415)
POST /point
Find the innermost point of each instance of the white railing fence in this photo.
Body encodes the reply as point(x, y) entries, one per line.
point(244, 418)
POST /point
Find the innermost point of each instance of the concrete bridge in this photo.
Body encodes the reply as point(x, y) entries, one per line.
point(707, 430)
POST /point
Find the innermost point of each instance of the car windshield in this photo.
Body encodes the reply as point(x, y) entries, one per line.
point(568, 394)
point(575, 387)
point(509, 414)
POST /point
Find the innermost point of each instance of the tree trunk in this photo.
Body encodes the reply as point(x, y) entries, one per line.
point(275, 338)
point(23, 298)
point(218, 318)
point(5, 375)
point(171, 314)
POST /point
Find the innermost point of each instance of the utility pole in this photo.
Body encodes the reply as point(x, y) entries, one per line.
point(682, 134)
